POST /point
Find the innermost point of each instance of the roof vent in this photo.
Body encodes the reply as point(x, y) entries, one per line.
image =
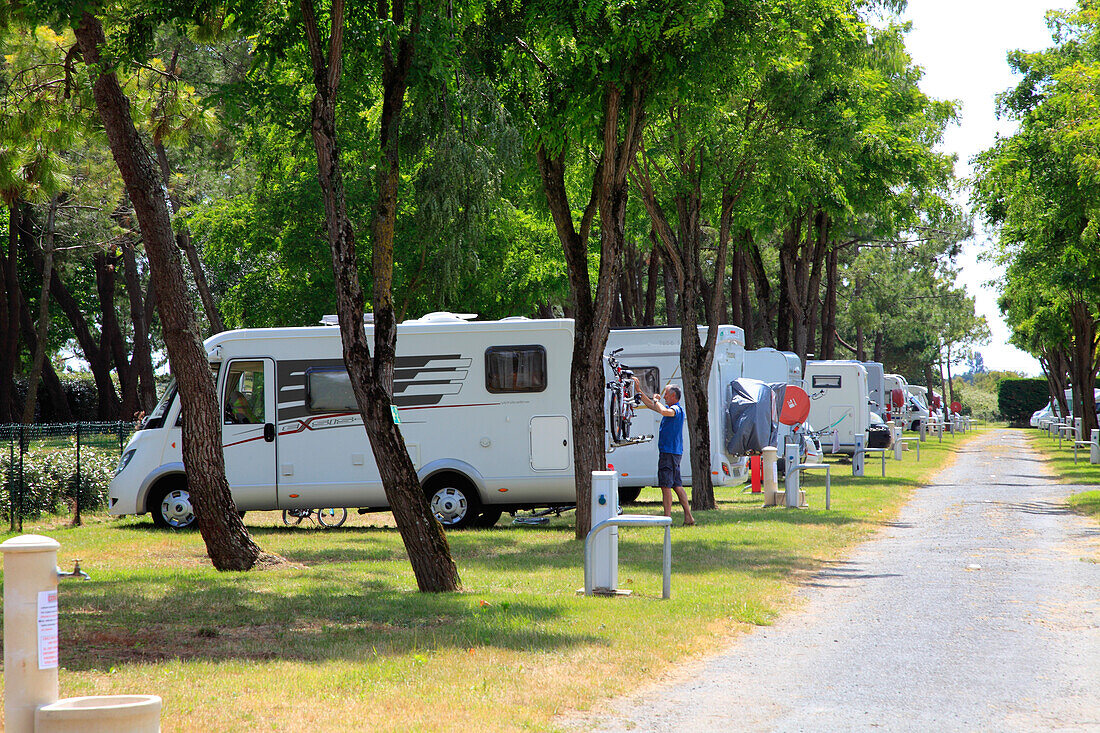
point(334, 320)
point(443, 317)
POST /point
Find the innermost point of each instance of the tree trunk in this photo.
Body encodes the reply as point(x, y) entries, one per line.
point(187, 245)
point(950, 380)
point(43, 316)
point(1084, 364)
point(372, 377)
point(651, 287)
point(110, 334)
point(9, 312)
point(141, 358)
point(55, 391)
point(828, 316)
point(227, 541)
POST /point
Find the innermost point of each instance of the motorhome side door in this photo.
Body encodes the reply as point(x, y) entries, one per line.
point(549, 443)
point(248, 393)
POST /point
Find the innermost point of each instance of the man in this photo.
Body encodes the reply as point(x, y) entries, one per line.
point(670, 446)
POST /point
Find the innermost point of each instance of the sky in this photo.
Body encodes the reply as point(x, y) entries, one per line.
point(962, 46)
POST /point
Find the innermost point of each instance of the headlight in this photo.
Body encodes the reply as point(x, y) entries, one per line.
point(122, 462)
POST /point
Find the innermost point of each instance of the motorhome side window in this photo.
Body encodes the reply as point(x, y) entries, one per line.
point(826, 381)
point(244, 393)
point(329, 390)
point(515, 369)
point(650, 377)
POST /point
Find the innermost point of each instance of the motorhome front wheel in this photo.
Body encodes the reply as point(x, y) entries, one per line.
point(172, 508)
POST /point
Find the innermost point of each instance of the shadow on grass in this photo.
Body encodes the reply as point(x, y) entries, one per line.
point(225, 617)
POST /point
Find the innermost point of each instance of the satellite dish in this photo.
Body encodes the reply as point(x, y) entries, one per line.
point(956, 407)
point(796, 406)
point(897, 398)
point(937, 402)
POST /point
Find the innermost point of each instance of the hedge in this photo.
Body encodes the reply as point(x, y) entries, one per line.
point(1018, 399)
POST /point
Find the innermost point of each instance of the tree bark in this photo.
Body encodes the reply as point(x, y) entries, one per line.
point(828, 315)
point(372, 377)
point(227, 541)
point(43, 316)
point(653, 275)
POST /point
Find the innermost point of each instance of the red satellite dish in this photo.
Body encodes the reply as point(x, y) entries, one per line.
point(897, 398)
point(956, 407)
point(936, 402)
point(796, 406)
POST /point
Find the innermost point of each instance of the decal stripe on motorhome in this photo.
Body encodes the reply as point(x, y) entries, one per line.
point(419, 381)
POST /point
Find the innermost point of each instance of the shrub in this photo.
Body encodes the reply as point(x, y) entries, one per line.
point(1017, 399)
point(49, 479)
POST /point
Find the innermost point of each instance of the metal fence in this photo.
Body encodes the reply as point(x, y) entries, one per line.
point(62, 468)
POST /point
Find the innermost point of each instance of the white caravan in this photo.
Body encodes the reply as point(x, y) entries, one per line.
point(838, 401)
point(484, 410)
point(653, 354)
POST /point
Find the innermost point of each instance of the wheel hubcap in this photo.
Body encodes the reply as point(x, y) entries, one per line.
point(176, 509)
point(449, 506)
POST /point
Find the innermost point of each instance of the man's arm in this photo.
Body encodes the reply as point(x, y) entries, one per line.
point(651, 403)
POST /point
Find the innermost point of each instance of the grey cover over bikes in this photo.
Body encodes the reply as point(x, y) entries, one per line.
point(751, 418)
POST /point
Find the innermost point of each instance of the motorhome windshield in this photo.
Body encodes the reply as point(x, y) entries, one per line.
point(156, 417)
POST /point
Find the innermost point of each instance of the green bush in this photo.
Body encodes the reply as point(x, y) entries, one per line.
point(49, 480)
point(1017, 399)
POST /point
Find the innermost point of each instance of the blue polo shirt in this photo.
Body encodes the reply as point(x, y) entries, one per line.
point(670, 436)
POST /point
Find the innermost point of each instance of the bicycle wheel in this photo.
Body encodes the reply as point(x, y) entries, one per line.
point(619, 430)
point(332, 517)
point(291, 517)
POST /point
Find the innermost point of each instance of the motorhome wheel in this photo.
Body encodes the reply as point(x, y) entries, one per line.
point(455, 504)
point(629, 495)
point(171, 508)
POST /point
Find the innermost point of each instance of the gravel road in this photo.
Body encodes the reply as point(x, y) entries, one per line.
point(979, 609)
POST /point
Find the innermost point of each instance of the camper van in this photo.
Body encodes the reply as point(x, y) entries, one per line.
point(912, 411)
point(838, 400)
point(773, 366)
point(876, 387)
point(484, 409)
point(653, 354)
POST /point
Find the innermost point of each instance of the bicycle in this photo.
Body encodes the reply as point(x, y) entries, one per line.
point(327, 518)
point(624, 399)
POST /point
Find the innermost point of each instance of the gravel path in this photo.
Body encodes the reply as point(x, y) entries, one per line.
point(979, 609)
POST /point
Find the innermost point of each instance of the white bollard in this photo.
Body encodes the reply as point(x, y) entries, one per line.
point(923, 428)
point(793, 475)
point(858, 454)
point(898, 442)
point(1094, 447)
point(769, 458)
point(30, 628)
point(605, 546)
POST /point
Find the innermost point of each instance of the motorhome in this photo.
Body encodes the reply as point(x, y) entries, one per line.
point(876, 388)
point(919, 406)
point(773, 366)
point(838, 401)
point(902, 403)
point(653, 354)
point(483, 406)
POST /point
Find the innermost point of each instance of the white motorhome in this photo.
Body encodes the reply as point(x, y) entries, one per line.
point(772, 366)
point(876, 387)
point(653, 354)
point(484, 409)
point(838, 400)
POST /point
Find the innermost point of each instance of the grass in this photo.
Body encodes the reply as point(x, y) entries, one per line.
point(338, 639)
point(1081, 473)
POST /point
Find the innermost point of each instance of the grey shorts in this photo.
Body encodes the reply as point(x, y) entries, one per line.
point(668, 470)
